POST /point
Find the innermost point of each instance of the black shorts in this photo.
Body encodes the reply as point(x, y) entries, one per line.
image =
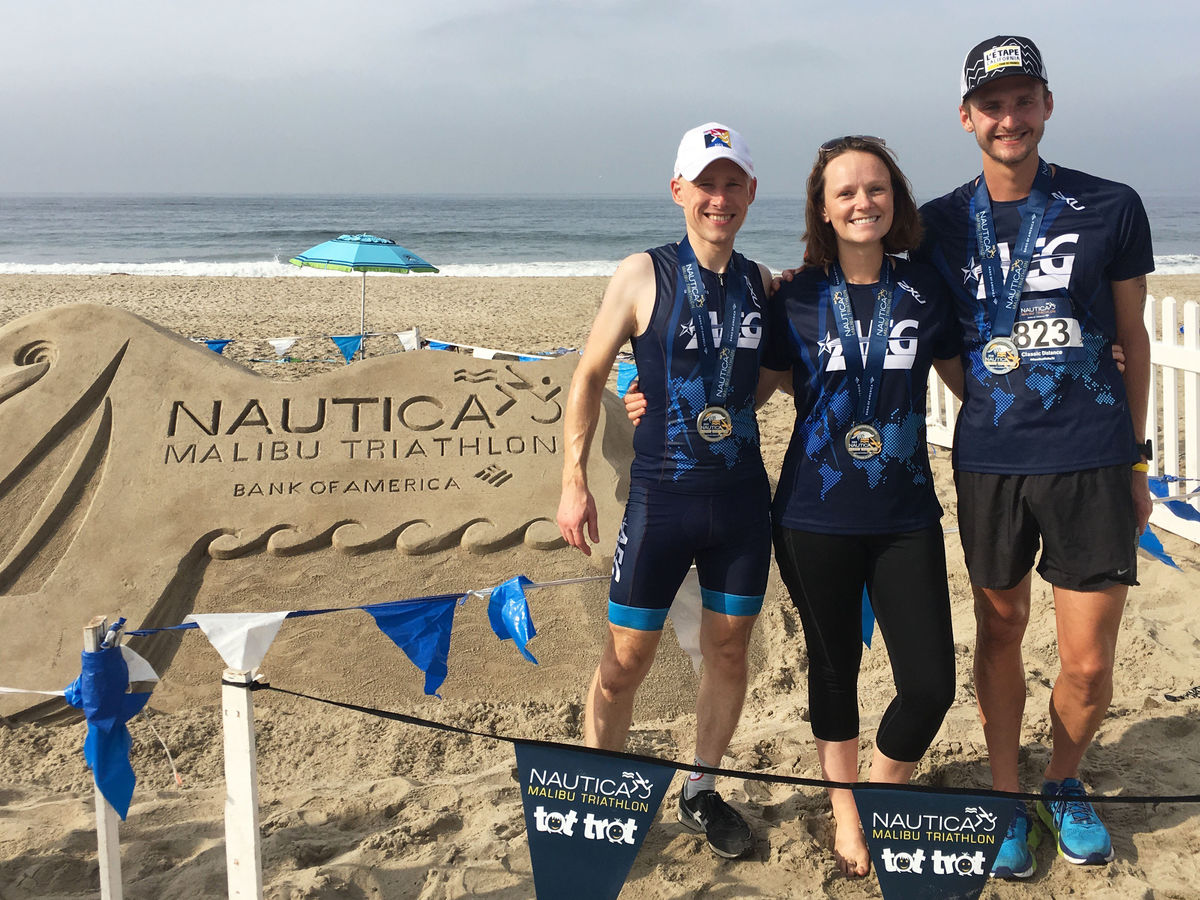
point(726, 534)
point(1085, 523)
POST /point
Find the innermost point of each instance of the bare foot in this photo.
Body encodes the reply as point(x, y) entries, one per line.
point(850, 850)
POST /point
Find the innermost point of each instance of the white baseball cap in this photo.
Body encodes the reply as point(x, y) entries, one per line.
point(707, 143)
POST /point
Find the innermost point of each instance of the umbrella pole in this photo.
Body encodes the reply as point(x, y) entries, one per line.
point(362, 323)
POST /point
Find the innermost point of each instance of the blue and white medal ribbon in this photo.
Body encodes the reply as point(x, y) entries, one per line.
point(1000, 354)
point(714, 422)
point(864, 376)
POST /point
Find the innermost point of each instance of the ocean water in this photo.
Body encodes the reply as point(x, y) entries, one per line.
point(460, 234)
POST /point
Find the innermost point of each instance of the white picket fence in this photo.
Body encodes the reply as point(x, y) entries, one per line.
point(1172, 417)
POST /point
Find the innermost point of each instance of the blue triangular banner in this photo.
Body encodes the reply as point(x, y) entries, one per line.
point(586, 816)
point(218, 346)
point(935, 846)
point(438, 345)
point(1151, 544)
point(508, 613)
point(422, 631)
point(100, 691)
point(1181, 508)
point(349, 344)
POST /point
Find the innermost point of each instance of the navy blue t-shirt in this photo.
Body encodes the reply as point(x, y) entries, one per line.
point(1064, 408)
point(822, 488)
point(668, 449)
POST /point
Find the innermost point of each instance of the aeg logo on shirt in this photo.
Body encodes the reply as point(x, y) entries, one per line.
point(901, 346)
point(619, 554)
point(749, 337)
point(1049, 270)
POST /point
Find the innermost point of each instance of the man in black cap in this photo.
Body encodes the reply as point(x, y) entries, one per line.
point(1047, 268)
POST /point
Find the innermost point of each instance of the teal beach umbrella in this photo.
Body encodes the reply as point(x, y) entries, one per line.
point(362, 253)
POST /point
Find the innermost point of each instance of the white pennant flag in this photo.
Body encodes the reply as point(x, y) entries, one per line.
point(483, 353)
point(139, 669)
point(242, 639)
point(282, 345)
point(685, 613)
point(410, 340)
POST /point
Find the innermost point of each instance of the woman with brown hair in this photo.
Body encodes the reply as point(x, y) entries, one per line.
point(855, 507)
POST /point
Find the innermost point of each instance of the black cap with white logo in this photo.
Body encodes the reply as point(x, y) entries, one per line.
point(1000, 57)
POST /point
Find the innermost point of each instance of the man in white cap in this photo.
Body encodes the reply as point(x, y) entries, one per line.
point(1047, 269)
point(693, 311)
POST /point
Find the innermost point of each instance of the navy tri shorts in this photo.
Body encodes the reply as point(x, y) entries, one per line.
point(1084, 521)
point(726, 534)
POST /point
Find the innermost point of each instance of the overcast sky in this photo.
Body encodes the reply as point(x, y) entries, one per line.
point(554, 96)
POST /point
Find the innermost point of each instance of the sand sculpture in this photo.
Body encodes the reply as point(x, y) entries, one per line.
point(131, 458)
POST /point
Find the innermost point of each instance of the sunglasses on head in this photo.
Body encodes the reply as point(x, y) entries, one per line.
point(844, 141)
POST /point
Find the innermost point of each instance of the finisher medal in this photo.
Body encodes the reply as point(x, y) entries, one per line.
point(863, 441)
point(1000, 356)
point(714, 423)
point(864, 365)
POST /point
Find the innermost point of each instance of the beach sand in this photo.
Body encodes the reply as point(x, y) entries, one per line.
point(354, 806)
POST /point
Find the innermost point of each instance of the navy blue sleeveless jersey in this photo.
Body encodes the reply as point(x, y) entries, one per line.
point(668, 450)
point(822, 488)
point(1064, 408)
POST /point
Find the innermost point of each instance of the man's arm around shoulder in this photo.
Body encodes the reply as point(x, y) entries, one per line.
point(625, 311)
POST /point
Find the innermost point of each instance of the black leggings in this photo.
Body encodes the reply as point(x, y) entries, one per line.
point(905, 576)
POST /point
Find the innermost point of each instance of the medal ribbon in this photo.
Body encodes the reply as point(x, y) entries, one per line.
point(865, 375)
point(1007, 296)
point(716, 363)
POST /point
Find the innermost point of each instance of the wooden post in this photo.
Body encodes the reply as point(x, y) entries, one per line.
point(243, 842)
point(108, 823)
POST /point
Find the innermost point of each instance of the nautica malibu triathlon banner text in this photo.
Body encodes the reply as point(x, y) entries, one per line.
point(586, 816)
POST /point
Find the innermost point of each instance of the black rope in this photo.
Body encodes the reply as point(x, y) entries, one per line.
point(712, 770)
point(248, 685)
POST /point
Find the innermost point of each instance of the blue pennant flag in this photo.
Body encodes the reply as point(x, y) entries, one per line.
point(438, 345)
point(508, 612)
point(1151, 544)
point(422, 631)
point(1181, 508)
point(218, 345)
point(586, 816)
point(349, 344)
point(868, 618)
point(100, 691)
point(932, 845)
point(626, 373)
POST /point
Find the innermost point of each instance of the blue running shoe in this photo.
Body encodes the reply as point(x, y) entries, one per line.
point(1081, 836)
point(1015, 859)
